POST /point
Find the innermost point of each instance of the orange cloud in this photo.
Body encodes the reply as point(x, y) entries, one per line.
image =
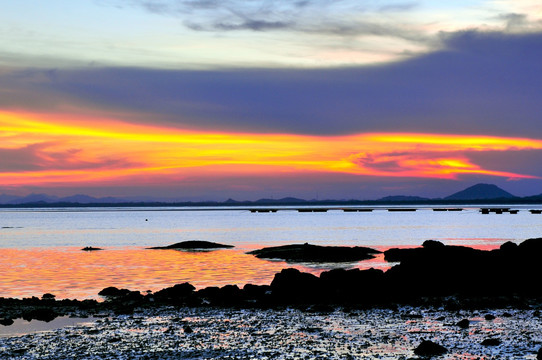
point(50, 149)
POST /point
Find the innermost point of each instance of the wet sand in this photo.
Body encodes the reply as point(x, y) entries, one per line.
point(287, 333)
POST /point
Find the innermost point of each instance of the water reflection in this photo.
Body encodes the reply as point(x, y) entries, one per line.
point(72, 273)
point(21, 327)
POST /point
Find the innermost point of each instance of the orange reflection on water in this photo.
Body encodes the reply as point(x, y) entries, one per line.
point(72, 273)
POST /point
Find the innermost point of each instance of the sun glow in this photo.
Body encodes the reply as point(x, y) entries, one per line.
point(49, 150)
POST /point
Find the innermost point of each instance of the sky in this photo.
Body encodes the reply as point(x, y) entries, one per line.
point(316, 99)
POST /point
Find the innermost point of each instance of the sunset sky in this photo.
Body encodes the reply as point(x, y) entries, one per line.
point(210, 100)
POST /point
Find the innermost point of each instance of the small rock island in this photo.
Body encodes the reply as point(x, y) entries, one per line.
point(193, 245)
point(315, 253)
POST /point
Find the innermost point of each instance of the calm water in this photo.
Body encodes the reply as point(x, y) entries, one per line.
point(40, 249)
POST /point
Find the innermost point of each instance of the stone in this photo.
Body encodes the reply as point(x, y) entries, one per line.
point(491, 342)
point(463, 324)
point(187, 329)
point(6, 322)
point(112, 291)
point(292, 285)
point(41, 314)
point(175, 292)
point(429, 348)
point(315, 253)
point(90, 248)
point(193, 245)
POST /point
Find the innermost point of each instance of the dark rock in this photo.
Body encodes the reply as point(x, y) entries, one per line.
point(491, 342)
point(315, 253)
point(193, 245)
point(489, 317)
point(90, 248)
point(41, 314)
point(113, 292)
point(294, 286)
point(228, 295)
point(6, 322)
point(463, 324)
point(531, 246)
point(433, 244)
point(509, 246)
point(353, 286)
point(187, 329)
point(256, 291)
point(429, 348)
point(177, 291)
point(539, 354)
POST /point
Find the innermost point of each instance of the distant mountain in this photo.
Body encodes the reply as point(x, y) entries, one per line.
point(48, 199)
point(4, 199)
point(85, 199)
point(286, 200)
point(79, 198)
point(481, 192)
point(402, 198)
point(33, 198)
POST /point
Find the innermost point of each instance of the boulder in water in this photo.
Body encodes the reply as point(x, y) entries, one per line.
point(193, 245)
point(315, 253)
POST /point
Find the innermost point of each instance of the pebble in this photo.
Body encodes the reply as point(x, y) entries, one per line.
point(279, 334)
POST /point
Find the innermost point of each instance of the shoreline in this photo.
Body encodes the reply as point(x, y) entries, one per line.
point(172, 332)
point(342, 314)
point(435, 274)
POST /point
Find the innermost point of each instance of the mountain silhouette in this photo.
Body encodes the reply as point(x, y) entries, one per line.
point(481, 192)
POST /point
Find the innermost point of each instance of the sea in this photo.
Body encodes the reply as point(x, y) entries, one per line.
point(41, 248)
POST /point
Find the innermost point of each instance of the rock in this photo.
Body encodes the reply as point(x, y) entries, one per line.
point(491, 342)
point(256, 291)
point(429, 348)
point(193, 245)
point(353, 286)
point(433, 244)
point(187, 329)
point(489, 317)
point(175, 292)
point(463, 324)
point(90, 248)
point(114, 292)
point(41, 314)
point(6, 322)
point(539, 354)
point(531, 246)
point(293, 286)
point(48, 296)
point(509, 246)
point(315, 253)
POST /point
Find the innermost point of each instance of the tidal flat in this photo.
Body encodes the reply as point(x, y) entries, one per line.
point(286, 333)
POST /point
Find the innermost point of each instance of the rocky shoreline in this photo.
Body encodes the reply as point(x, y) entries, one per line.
point(448, 281)
point(456, 277)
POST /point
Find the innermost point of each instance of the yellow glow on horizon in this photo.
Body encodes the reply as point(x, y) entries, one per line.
point(69, 150)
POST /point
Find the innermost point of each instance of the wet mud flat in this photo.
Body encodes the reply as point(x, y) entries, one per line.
point(287, 333)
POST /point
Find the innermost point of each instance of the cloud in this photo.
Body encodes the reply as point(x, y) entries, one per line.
point(319, 17)
point(479, 83)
